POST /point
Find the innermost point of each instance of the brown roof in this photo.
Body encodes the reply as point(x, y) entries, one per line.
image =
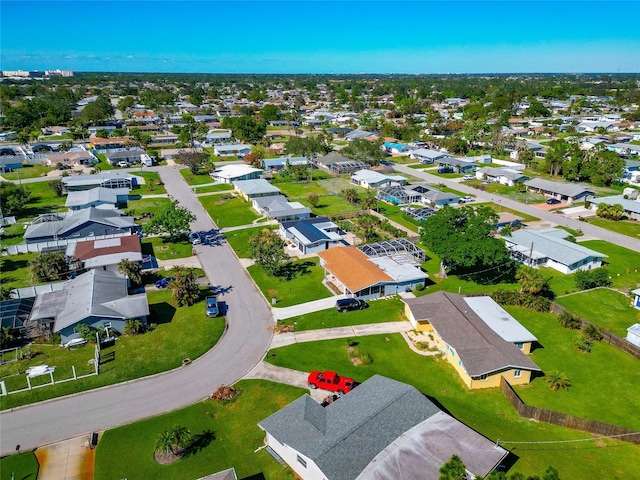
point(88, 249)
point(69, 156)
point(102, 141)
point(481, 350)
point(352, 268)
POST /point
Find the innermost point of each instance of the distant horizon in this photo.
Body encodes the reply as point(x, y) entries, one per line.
point(319, 37)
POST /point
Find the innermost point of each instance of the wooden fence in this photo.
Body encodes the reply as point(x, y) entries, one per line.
point(614, 340)
point(564, 420)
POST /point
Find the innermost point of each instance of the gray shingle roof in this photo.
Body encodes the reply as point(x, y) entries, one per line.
point(632, 206)
point(365, 428)
point(277, 206)
point(481, 350)
point(101, 194)
point(502, 172)
point(258, 186)
point(70, 222)
point(569, 189)
point(551, 243)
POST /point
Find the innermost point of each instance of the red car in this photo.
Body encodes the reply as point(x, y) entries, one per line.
point(330, 381)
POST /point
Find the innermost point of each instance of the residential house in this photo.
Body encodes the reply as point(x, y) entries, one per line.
point(460, 165)
point(394, 148)
point(72, 158)
point(630, 202)
point(93, 130)
point(129, 156)
point(234, 173)
point(106, 253)
point(97, 298)
point(164, 139)
point(548, 248)
point(218, 136)
point(83, 223)
point(102, 144)
point(250, 189)
point(357, 275)
point(277, 207)
point(228, 150)
point(432, 196)
point(312, 235)
point(370, 179)
point(273, 165)
point(359, 134)
point(503, 176)
point(569, 192)
point(337, 164)
point(633, 334)
point(383, 429)
point(481, 341)
point(625, 149)
point(507, 219)
point(425, 155)
point(108, 179)
point(9, 163)
point(101, 197)
point(173, 153)
point(589, 126)
point(56, 130)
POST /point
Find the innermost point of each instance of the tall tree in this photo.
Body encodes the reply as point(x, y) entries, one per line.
point(267, 249)
point(13, 198)
point(454, 469)
point(364, 151)
point(57, 186)
point(464, 237)
point(173, 219)
point(49, 266)
point(185, 286)
point(131, 270)
point(192, 159)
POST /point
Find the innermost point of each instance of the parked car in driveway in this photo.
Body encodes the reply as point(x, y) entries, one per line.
point(445, 170)
point(346, 304)
point(330, 381)
point(164, 282)
point(553, 201)
point(468, 177)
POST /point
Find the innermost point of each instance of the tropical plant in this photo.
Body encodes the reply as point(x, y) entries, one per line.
point(134, 326)
point(350, 195)
point(174, 440)
point(583, 343)
point(57, 186)
point(314, 199)
point(185, 286)
point(454, 469)
point(557, 381)
point(592, 332)
point(49, 266)
point(569, 321)
point(267, 249)
point(172, 219)
point(131, 270)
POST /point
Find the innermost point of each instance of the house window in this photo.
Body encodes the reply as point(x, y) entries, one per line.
point(520, 345)
point(517, 373)
point(301, 461)
point(483, 377)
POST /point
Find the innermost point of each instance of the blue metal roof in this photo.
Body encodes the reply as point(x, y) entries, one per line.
point(310, 232)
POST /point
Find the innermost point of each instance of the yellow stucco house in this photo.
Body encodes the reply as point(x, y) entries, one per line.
point(479, 338)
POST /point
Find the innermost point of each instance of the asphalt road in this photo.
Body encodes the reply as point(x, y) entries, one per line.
point(559, 219)
point(243, 346)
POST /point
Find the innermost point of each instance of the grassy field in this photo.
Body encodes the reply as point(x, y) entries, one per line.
point(221, 187)
point(328, 189)
point(511, 192)
point(239, 239)
point(606, 308)
point(156, 351)
point(305, 284)
point(486, 411)
point(230, 212)
point(27, 171)
point(191, 179)
point(623, 264)
point(23, 466)
point(104, 163)
point(624, 227)
point(14, 270)
point(500, 208)
point(389, 309)
point(164, 249)
point(597, 378)
point(227, 437)
point(153, 185)
point(136, 208)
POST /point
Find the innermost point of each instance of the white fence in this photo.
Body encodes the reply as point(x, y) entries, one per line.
point(511, 165)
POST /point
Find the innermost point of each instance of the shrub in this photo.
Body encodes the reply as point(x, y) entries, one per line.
point(593, 333)
point(586, 279)
point(569, 321)
point(225, 394)
point(133, 327)
point(556, 381)
point(583, 343)
point(521, 299)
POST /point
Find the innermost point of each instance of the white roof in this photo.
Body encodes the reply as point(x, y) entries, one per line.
point(635, 329)
point(398, 267)
point(234, 171)
point(499, 320)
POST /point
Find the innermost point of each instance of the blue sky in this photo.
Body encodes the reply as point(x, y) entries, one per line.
point(321, 36)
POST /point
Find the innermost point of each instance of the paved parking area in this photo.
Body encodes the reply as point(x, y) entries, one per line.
point(67, 460)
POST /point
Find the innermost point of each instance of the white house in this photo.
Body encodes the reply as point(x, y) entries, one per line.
point(228, 150)
point(503, 176)
point(232, 173)
point(425, 155)
point(369, 179)
point(548, 248)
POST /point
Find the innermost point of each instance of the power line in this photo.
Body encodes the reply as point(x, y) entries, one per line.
point(568, 441)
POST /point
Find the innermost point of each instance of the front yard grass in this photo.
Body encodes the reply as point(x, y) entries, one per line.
point(156, 351)
point(605, 376)
point(625, 227)
point(239, 239)
point(228, 212)
point(606, 308)
point(164, 249)
point(27, 171)
point(623, 264)
point(389, 309)
point(135, 208)
point(220, 187)
point(14, 270)
point(305, 284)
point(486, 411)
point(201, 178)
point(22, 466)
point(228, 434)
point(501, 208)
point(513, 193)
point(153, 185)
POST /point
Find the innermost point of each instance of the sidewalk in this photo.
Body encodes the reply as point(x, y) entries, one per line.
point(192, 261)
point(285, 339)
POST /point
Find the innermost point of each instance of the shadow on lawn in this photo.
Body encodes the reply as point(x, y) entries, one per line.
point(198, 442)
point(292, 270)
point(160, 313)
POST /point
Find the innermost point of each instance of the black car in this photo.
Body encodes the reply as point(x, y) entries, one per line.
point(553, 201)
point(346, 304)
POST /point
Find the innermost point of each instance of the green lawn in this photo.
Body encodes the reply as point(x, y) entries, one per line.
point(221, 187)
point(486, 411)
point(153, 185)
point(14, 270)
point(231, 212)
point(623, 264)
point(390, 309)
point(164, 249)
point(191, 179)
point(625, 227)
point(304, 286)
point(511, 192)
point(500, 208)
point(330, 205)
point(27, 171)
point(330, 202)
point(43, 200)
point(606, 308)
point(162, 349)
point(136, 208)
point(22, 466)
point(606, 376)
point(228, 436)
point(300, 191)
point(239, 239)
point(104, 163)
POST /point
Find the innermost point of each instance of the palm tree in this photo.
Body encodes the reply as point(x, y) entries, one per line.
point(131, 270)
point(164, 443)
point(181, 436)
point(556, 381)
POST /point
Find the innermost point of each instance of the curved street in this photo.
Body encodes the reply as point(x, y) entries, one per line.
point(243, 346)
